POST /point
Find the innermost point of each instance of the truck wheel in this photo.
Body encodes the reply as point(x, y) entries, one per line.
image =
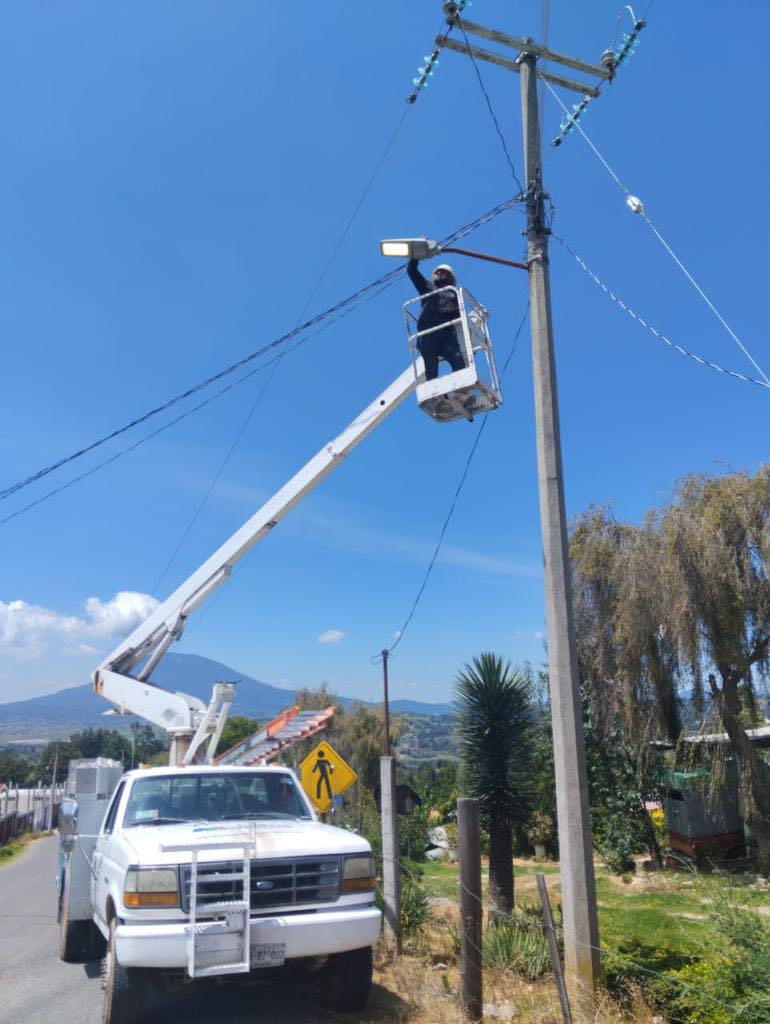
point(74, 936)
point(125, 988)
point(350, 980)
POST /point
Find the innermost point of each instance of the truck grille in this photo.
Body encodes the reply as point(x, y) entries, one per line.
point(274, 883)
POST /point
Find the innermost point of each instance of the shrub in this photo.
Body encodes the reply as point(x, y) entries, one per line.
point(415, 907)
point(731, 987)
point(518, 944)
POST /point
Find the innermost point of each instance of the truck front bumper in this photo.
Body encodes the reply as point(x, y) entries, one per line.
point(315, 934)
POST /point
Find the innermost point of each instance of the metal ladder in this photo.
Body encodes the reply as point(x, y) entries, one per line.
point(290, 727)
point(220, 946)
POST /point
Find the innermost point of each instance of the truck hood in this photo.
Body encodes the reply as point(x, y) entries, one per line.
point(268, 839)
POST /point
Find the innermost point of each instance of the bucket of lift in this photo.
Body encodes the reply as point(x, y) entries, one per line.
point(466, 392)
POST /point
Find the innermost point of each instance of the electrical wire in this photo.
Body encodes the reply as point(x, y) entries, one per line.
point(257, 401)
point(343, 309)
point(453, 504)
point(653, 330)
point(645, 217)
point(149, 437)
point(366, 292)
point(495, 122)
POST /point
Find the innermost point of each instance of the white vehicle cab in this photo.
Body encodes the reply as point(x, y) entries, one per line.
point(210, 871)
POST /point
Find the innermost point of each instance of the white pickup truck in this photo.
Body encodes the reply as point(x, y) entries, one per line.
point(207, 871)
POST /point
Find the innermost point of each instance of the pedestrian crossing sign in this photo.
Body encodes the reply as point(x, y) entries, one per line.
point(325, 775)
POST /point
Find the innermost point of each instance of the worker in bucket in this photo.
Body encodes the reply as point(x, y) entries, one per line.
point(439, 306)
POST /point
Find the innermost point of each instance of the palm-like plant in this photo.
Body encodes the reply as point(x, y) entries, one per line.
point(495, 714)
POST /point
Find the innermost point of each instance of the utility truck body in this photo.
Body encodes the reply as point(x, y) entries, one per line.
point(210, 872)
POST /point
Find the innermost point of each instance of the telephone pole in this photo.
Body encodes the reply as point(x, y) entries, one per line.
point(581, 927)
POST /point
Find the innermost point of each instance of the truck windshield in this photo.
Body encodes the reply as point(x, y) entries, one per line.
point(209, 796)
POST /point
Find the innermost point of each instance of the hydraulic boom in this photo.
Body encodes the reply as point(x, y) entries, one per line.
point(190, 723)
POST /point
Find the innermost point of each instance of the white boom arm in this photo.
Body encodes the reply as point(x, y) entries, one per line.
point(186, 716)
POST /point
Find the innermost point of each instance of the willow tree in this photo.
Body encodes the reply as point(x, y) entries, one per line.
point(715, 574)
point(681, 598)
point(494, 716)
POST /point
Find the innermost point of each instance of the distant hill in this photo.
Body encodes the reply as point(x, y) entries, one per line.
point(58, 714)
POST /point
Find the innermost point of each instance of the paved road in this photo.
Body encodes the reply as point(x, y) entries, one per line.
point(37, 988)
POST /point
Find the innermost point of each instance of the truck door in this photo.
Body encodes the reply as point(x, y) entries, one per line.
point(98, 881)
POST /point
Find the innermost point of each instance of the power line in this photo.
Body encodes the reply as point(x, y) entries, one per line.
point(149, 437)
point(257, 401)
point(343, 309)
point(636, 205)
point(491, 110)
point(653, 330)
point(368, 291)
point(453, 503)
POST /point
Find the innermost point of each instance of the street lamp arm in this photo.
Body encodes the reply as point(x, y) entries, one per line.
point(484, 256)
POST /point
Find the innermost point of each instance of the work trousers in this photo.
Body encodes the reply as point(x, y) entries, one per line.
point(441, 344)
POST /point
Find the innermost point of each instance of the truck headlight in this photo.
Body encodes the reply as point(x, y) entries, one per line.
point(358, 873)
point(151, 887)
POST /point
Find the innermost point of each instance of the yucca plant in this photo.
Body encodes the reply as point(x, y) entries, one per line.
point(495, 714)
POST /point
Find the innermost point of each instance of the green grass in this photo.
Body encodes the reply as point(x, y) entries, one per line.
point(440, 878)
point(13, 849)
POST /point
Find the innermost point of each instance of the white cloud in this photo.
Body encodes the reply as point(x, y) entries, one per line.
point(331, 636)
point(29, 630)
point(86, 649)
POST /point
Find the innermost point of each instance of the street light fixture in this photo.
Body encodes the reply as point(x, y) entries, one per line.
point(425, 249)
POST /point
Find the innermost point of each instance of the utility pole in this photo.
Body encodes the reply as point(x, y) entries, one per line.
point(385, 701)
point(581, 926)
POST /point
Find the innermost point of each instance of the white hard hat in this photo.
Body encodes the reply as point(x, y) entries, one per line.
point(444, 266)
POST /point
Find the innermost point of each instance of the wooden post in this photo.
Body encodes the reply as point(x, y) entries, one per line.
point(550, 932)
point(471, 910)
point(391, 881)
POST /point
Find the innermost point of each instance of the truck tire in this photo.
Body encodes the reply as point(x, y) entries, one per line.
point(74, 936)
point(125, 989)
point(350, 979)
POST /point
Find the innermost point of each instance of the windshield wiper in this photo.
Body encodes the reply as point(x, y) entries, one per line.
point(246, 815)
point(160, 821)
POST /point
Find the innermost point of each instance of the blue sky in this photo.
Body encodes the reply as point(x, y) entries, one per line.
point(174, 179)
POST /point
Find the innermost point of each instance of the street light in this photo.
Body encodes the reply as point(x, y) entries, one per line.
point(425, 249)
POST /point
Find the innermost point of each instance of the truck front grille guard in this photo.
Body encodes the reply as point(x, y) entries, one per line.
point(287, 882)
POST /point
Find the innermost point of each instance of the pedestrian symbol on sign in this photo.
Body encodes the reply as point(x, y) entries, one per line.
point(325, 769)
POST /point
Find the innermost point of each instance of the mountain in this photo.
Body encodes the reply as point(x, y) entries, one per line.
point(58, 714)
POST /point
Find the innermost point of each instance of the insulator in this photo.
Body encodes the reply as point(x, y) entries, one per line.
point(422, 70)
point(417, 82)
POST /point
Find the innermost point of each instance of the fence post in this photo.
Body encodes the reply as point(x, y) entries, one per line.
point(553, 946)
point(471, 910)
point(16, 813)
point(391, 881)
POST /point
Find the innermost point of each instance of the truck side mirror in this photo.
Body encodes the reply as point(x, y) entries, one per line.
point(68, 823)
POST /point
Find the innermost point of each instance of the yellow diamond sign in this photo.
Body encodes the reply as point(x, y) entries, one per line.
point(324, 775)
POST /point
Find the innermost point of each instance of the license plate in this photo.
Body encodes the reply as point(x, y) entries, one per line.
point(268, 954)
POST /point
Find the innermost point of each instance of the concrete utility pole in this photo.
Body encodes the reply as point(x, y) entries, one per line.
point(386, 701)
point(391, 871)
point(581, 926)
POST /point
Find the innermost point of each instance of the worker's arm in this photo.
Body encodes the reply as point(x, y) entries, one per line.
point(418, 280)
